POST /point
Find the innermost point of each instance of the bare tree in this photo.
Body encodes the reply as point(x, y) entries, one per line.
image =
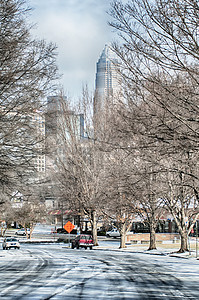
point(150, 206)
point(26, 208)
point(29, 215)
point(141, 167)
point(180, 193)
point(159, 65)
point(118, 202)
point(79, 163)
point(27, 73)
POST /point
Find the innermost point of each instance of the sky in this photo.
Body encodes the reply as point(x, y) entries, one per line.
point(80, 30)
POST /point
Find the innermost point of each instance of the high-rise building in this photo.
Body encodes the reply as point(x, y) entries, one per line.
point(57, 115)
point(61, 125)
point(107, 79)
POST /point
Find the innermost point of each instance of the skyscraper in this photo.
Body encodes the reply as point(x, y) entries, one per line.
point(106, 83)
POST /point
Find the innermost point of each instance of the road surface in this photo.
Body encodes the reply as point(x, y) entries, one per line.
point(56, 272)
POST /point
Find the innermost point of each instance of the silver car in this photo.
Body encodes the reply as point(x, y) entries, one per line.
point(22, 231)
point(113, 233)
point(10, 242)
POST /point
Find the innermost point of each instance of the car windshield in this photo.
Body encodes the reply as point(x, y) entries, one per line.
point(86, 237)
point(11, 240)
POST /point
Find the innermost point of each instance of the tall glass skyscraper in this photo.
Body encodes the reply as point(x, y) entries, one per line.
point(106, 83)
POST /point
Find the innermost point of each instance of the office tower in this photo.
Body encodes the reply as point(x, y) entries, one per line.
point(60, 123)
point(107, 79)
point(56, 117)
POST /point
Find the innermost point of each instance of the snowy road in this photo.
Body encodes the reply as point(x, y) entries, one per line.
point(55, 272)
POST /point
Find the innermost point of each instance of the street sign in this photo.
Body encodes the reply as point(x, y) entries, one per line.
point(69, 226)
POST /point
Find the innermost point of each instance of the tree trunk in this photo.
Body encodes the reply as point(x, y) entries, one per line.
point(31, 231)
point(3, 231)
point(184, 242)
point(26, 231)
point(28, 236)
point(94, 227)
point(123, 236)
point(152, 244)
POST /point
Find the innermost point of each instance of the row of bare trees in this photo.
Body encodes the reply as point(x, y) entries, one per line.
point(28, 73)
point(159, 53)
point(126, 170)
point(140, 156)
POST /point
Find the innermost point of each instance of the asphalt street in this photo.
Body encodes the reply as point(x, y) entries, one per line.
point(54, 271)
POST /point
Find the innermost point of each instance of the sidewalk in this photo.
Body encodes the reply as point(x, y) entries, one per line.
point(167, 249)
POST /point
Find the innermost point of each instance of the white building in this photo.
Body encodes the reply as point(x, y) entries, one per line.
point(38, 118)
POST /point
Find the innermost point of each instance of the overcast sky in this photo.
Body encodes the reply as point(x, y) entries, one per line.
point(80, 30)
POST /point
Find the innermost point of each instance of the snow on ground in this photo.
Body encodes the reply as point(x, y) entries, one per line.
point(107, 272)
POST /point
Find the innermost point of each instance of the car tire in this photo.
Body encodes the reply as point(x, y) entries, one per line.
point(85, 247)
point(91, 247)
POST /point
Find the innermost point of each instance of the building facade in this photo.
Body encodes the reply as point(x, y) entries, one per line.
point(38, 118)
point(61, 125)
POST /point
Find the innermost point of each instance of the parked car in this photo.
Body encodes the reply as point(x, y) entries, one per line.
point(113, 233)
point(10, 242)
point(101, 231)
point(82, 241)
point(62, 230)
point(22, 231)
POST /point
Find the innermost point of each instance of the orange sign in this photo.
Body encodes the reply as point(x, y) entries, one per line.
point(69, 226)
